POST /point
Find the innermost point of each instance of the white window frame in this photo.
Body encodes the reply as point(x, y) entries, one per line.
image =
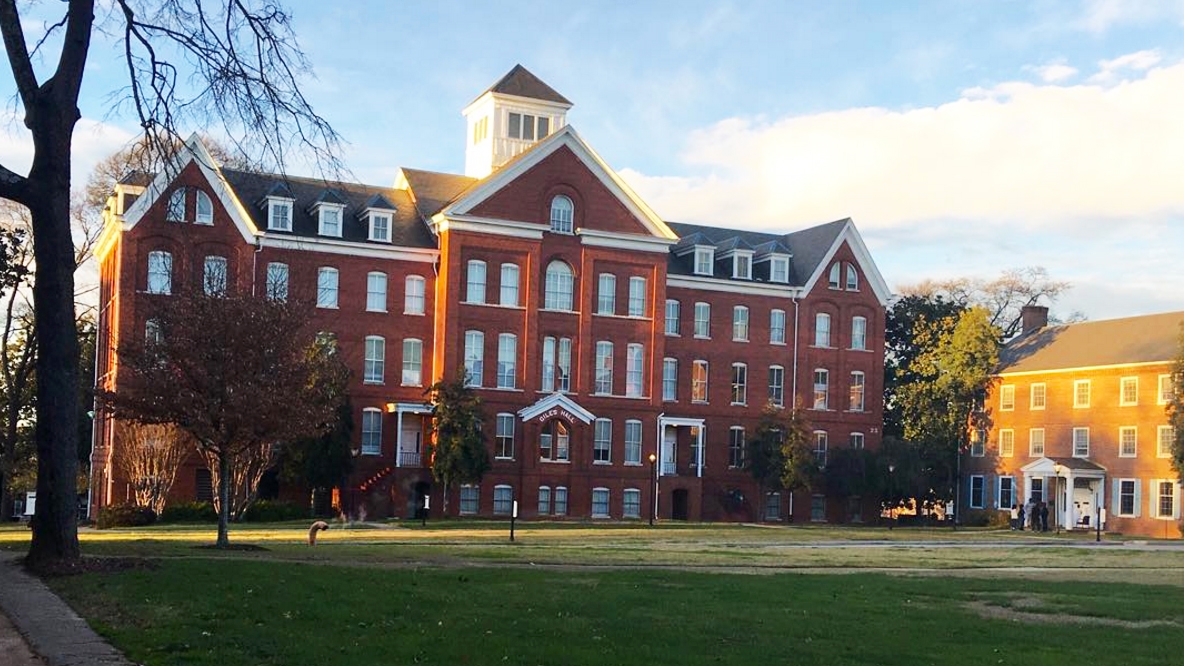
point(563, 366)
point(371, 431)
point(1011, 491)
point(852, 282)
point(1007, 443)
point(379, 227)
point(857, 394)
point(279, 213)
point(470, 499)
point(833, 276)
point(215, 275)
point(503, 499)
point(603, 378)
point(702, 325)
point(777, 322)
point(1035, 434)
point(637, 296)
point(1165, 436)
point(559, 499)
point(328, 282)
point(704, 261)
point(544, 500)
point(821, 396)
point(1007, 398)
point(1080, 435)
point(978, 443)
point(278, 281)
point(634, 370)
point(739, 384)
point(669, 379)
point(374, 361)
point(160, 272)
point(475, 280)
point(1157, 497)
point(204, 209)
point(736, 446)
point(558, 287)
point(631, 503)
point(673, 321)
point(175, 211)
point(1033, 404)
point(777, 385)
point(376, 298)
point(474, 357)
point(507, 361)
point(1164, 390)
point(740, 319)
point(1078, 385)
point(699, 381)
point(1123, 383)
point(981, 502)
point(779, 269)
point(856, 441)
point(508, 291)
point(822, 331)
point(1134, 494)
point(600, 496)
point(325, 214)
point(1123, 433)
point(602, 442)
point(742, 265)
point(412, 362)
point(563, 214)
point(606, 294)
point(859, 333)
point(414, 295)
point(821, 447)
point(633, 442)
point(504, 436)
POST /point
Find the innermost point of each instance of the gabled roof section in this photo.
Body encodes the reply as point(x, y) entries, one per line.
point(279, 189)
point(565, 137)
point(730, 244)
point(520, 82)
point(689, 242)
point(1131, 340)
point(557, 401)
point(772, 247)
point(843, 231)
point(431, 190)
point(330, 196)
point(376, 200)
point(1048, 465)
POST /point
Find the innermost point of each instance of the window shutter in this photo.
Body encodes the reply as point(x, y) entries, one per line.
point(987, 481)
point(1138, 498)
point(1176, 500)
point(1115, 500)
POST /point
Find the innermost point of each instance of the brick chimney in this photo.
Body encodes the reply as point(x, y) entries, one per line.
point(1033, 318)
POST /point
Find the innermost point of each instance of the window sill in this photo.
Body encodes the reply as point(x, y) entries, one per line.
point(378, 311)
point(702, 337)
point(413, 314)
point(327, 307)
point(1128, 404)
point(506, 389)
point(570, 312)
point(613, 315)
point(738, 404)
point(1036, 409)
point(1128, 455)
point(673, 335)
point(371, 453)
point(739, 339)
point(602, 463)
point(554, 462)
point(417, 385)
point(859, 349)
point(775, 343)
point(632, 464)
point(367, 382)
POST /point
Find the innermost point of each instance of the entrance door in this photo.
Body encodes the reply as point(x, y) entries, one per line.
point(678, 504)
point(669, 448)
point(409, 441)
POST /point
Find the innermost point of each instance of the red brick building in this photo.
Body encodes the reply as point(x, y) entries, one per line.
point(1078, 421)
point(596, 332)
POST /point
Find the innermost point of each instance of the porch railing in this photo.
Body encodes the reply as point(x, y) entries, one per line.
point(669, 468)
point(410, 459)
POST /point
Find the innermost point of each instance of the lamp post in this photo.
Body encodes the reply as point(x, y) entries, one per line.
point(892, 489)
point(1058, 468)
point(653, 487)
point(1097, 520)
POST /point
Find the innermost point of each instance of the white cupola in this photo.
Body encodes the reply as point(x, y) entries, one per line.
point(510, 117)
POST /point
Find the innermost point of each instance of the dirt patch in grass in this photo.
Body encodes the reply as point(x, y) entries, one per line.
point(1027, 608)
point(94, 565)
point(242, 547)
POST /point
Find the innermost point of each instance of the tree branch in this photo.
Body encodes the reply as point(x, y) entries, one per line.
point(18, 54)
point(13, 186)
point(67, 79)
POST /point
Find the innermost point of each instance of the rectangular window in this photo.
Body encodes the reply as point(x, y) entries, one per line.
point(1128, 391)
point(380, 228)
point(474, 357)
point(326, 286)
point(549, 347)
point(515, 126)
point(669, 379)
point(604, 368)
point(821, 330)
point(214, 279)
point(600, 502)
point(561, 501)
point(858, 333)
point(858, 391)
point(821, 388)
point(855, 441)
point(1038, 396)
point(1164, 394)
point(330, 219)
point(470, 499)
point(976, 491)
point(606, 294)
point(673, 313)
point(699, 381)
point(1081, 442)
point(1007, 397)
point(736, 447)
point(742, 266)
point(413, 295)
point(281, 215)
point(631, 503)
point(602, 441)
point(375, 364)
point(544, 500)
point(634, 370)
point(637, 296)
point(818, 508)
point(772, 506)
point(702, 320)
point(740, 324)
point(1036, 443)
point(507, 360)
point(503, 500)
point(1166, 494)
point(1006, 444)
point(1165, 438)
point(777, 327)
point(1006, 492)
point(371, 432)
point(777, 385)
point(739, 384)
point(821, 446)
point(376, 292)
point(412, 362)
point(1081, 393)
point(1127, 496)
point(632, 442)
point(475, 285)
point(704, 261)
point(978, 444)
point(505, 436)
point(563, 366)
point(160, 273)
point(1128, 442)
point(509, 285)
point(779, 270)
point(277, 282)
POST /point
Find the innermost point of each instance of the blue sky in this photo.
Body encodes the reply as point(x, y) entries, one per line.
point(963, 137)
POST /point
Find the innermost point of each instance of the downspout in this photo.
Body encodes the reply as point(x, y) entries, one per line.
point(255, 263)
point(796, 343)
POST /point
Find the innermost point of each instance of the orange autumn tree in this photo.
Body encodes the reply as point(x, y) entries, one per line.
point(242, 375)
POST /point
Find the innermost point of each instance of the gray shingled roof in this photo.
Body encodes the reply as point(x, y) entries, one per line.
point(1146, 339)
point(521, 82)
point(407, 229)
point(434, 190)
point(808, 247)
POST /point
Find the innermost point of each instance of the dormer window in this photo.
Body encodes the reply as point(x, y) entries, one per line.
point(704, 260)
point(329, 219)
point(779, 269)
point(742, 265)
point(562, 214)
point(380, 227)
point(279, 214)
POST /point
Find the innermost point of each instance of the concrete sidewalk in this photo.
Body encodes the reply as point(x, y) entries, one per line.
point(51, 628)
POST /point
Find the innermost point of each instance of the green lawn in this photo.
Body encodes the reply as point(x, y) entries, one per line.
point(229, 612)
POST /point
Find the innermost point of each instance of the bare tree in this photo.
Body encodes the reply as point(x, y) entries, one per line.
point(188, 64)
point(1003, 297)
point(17, 344)
point(149, 456)
point(247, 467)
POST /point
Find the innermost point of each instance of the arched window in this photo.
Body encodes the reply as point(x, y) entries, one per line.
point(833, 281)
point(205, 209)
point(562, 215)
point(558, 292)
point(176, 210)
point(852, 278)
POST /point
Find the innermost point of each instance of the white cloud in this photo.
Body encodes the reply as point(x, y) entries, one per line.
point(93, 140)
point(1053, 72)
point(1110, 70)
point(1101, 15)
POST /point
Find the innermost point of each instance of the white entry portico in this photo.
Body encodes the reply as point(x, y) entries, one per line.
point(1074, 487)
point(668, 440)
point(409, 422)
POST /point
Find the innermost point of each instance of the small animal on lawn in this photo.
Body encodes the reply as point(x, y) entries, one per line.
point(312, 531)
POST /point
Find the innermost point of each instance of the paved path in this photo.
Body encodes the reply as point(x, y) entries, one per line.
point(52, 628)
point(13, 646)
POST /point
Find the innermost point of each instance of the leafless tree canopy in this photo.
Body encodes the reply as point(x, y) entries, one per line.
point(1003, 297)
point(149, 457)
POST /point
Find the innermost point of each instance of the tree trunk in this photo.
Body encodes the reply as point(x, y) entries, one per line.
point(223, 500)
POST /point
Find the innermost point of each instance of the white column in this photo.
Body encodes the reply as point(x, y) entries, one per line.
point(398, 437)
point(1070, 512)
point(699, 451)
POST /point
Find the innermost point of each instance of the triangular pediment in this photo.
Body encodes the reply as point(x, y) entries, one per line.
point(557, 405)
point(520, 191)
point(848, 235)
point(1062, 466)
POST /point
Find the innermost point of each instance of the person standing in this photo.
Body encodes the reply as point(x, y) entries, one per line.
point(1015, 516)
point(1043, 517)
point(1034, 515)
point(1023, 511)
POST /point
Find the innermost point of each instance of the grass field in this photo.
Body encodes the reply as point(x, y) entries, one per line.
point(622, 594)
